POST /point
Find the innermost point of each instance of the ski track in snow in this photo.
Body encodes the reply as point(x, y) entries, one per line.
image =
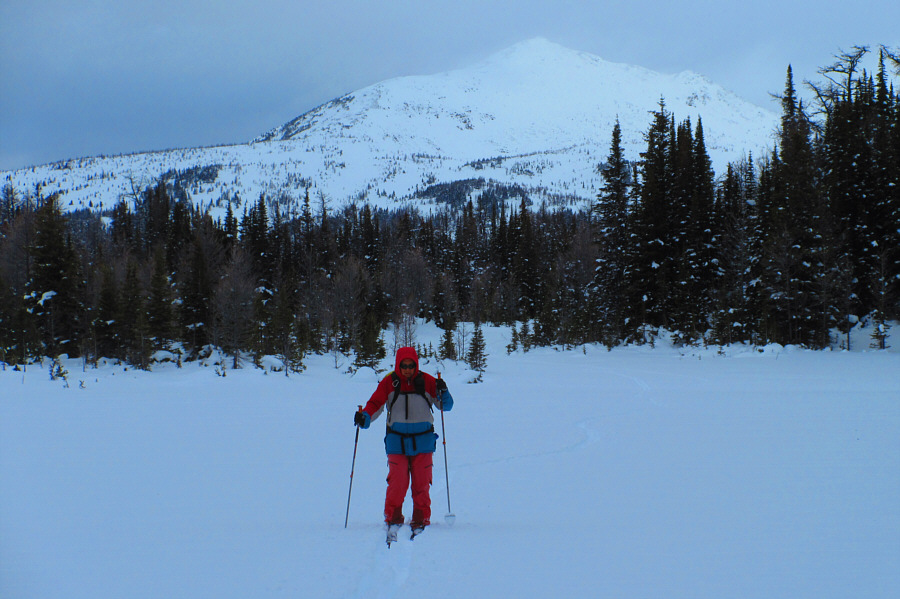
point(588, 430)
point(642, 385)
point(390, 568)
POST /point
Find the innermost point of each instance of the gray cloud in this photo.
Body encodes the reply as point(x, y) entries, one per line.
point(102, 77)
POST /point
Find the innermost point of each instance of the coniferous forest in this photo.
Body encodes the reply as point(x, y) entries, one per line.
point(793, 248)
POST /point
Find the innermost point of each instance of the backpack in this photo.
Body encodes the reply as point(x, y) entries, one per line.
point(424, 436)
point(418, 388)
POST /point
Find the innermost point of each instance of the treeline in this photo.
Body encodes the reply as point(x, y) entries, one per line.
point(782, 248)
point(162, 275)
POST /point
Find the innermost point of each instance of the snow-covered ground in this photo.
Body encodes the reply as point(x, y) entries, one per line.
point(634, 473)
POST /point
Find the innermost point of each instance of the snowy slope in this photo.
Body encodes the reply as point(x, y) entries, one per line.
point(631, 473)
point(533, 97)
point(536, 114)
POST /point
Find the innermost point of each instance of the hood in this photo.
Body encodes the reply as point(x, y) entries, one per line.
point(406, 353)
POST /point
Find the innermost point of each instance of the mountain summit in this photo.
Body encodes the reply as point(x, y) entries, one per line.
point(536, 115)
point(533, 97)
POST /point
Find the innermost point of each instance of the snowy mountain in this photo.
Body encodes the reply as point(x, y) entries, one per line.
point(536, 115)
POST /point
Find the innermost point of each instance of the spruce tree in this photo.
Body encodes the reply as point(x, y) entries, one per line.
point(613, 240)
point(701, 255)
point(154, 216)
point(736, 290)
point(108, 320)
point(196, 296)
point(447, 348)
point(683, 242)
point(371, 246)
point(286, 340)
point(12, 312)
point(180, 233)
point(794, 243)
point(464, 255)
point(9, 201)
point(848, 167)
point(232, 233)
point(525, 262)
point(370, 348)
point(133, 330)
point(652, 270)
point(886, 190)
point(255, 239)
point(55, 291)
point(123, 231)
point(234, 300)
point(476, 358)
point(159, 302)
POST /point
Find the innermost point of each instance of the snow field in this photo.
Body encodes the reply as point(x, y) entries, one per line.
point(631, 473)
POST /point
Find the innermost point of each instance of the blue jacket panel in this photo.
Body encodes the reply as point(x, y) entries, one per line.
point(410, 438)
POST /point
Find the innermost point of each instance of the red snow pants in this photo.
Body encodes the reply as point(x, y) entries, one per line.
point(402, 469)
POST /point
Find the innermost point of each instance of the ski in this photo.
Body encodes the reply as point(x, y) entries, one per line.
point(392, 531)
point(416, 532)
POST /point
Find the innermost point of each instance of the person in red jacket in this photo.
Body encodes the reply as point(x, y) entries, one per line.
point(408, 396)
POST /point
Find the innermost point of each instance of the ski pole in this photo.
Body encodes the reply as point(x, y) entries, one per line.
point(450, 518)
point(352, 468)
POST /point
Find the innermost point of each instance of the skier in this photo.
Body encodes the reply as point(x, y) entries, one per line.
point(408, 395)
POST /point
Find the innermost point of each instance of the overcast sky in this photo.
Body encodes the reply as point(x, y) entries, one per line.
point(87, 77)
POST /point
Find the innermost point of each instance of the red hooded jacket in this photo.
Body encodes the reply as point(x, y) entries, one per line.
point(420, 409)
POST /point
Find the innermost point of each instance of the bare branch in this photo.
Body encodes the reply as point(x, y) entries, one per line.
point(826, 97)
point(841, 73)
point(893, 56)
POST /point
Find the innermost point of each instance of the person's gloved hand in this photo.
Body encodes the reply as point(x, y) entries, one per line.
point(446, 399)
point(362, 419)
point(444, 395)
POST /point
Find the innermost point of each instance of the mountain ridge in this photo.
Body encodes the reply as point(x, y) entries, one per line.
point(536, 115)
